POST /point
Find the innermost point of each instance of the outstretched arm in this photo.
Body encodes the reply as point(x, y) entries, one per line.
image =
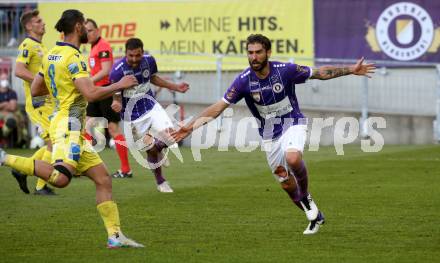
point(161, 82)
point(206, 116)
point(330, 72)
point(94, 93)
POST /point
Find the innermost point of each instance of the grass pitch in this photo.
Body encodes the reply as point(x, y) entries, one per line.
point(379, 207)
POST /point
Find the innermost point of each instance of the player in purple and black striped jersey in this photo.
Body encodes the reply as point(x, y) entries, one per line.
point(268, 88)
point(138, 106)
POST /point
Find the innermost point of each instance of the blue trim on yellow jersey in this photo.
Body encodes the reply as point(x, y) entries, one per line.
point(34, 39)
point(67, 44)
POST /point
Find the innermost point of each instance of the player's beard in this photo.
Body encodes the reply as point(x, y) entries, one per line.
point(259, 66)
point(134, 63)
point(83, 38)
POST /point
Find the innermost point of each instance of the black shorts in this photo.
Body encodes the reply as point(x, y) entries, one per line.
point(103, 109)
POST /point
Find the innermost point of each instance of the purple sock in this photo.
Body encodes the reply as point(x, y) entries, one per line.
point(159, 145)
point(153, 159)
point(301, 177)
point(295, 196)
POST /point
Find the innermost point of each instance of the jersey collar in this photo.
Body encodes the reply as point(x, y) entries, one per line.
point(96, 42)
point(34, 39)
point(67, 44)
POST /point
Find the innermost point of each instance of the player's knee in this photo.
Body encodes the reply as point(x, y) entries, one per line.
point(103, 182)
point(287, 182)
point(293, 159)
point(60, 176)
point(282, 174)
point(147, 144)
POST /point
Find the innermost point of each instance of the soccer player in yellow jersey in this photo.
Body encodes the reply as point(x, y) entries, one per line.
point(30, 54)
point(64, 72)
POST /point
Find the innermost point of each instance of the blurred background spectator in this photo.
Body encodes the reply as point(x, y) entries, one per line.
point(11, 32)
point(12, 122)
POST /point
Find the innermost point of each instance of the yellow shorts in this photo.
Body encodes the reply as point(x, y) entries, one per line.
point(41, 118)
point(72, 148)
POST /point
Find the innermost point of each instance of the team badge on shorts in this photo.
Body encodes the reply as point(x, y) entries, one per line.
point(277, 87)
point(75, 152)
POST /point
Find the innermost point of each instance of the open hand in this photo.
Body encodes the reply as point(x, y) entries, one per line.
point(363, 69)
point(180, 134)
point(128, 81)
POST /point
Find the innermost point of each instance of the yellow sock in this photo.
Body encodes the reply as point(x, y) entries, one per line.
point(38, 155)
point(22, 164)
point(40, 184)
point(47, 157)
point(110, 215)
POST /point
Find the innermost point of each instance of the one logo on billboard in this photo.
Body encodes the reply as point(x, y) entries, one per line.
point(404, 31)
point(277, 87)
point(256, 96)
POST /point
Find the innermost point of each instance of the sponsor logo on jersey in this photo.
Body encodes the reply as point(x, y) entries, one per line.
point(256, 96)
point(54, 57)
point(254, 83)
point(128, 72)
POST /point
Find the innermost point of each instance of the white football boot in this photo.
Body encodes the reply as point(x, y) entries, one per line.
point(309, 207)
point(118, 240)
point(164, 188)
point(314, 225)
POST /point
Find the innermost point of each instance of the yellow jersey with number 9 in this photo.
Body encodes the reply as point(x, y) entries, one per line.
point(61, 66)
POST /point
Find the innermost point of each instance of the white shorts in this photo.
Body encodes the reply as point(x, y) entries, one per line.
point(292, 139)
point(154, 121)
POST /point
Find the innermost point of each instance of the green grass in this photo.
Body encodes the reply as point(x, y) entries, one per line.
point(380, 207)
